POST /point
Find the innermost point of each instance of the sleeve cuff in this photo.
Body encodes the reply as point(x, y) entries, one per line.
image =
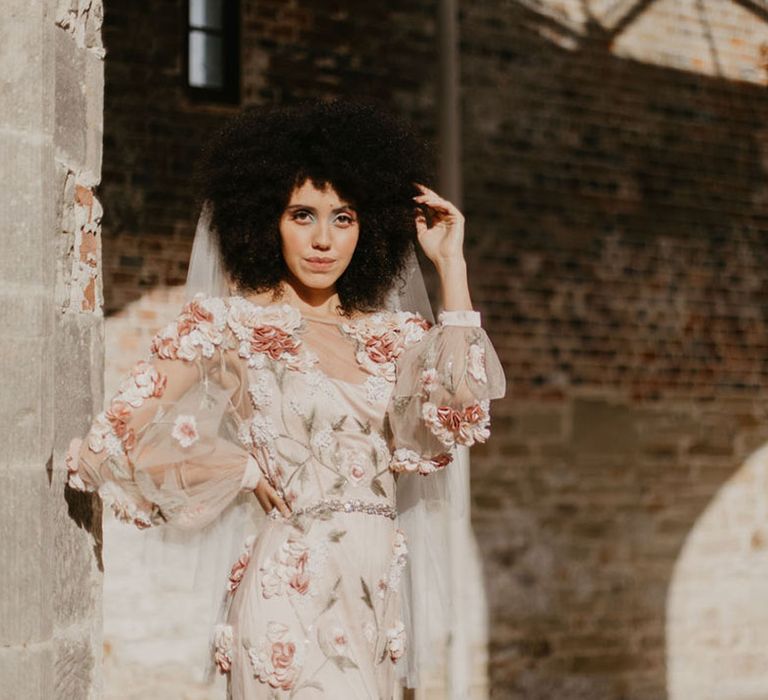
point(252, 475)
point(459, 318)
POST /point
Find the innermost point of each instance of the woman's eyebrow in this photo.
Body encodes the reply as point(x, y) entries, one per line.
point(307, 206)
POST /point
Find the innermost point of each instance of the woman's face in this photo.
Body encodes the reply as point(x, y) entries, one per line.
point(319, 233)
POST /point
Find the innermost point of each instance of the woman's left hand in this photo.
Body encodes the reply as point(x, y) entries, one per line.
point(442, 242)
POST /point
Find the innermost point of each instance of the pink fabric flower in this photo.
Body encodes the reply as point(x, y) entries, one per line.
point(118, 415)
point(282, 663)
point(464, 427)
point(287, 570)
point(300, 579)
point(273, 341)
point(237, 571)
point(384, 347)
point(404, 460)
point(165, 344)
point(222, 647)
point(72, 460)
point(185, 430)
point(396, 641)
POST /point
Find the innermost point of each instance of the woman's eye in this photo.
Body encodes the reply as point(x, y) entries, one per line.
point(298, 216)
point(345, 219)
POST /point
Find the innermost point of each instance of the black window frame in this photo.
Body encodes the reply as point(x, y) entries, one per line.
point(229, 93)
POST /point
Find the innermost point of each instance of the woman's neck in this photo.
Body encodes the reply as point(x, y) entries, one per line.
point(321, 303)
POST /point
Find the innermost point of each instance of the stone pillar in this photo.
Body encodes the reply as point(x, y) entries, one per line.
point(51, 80)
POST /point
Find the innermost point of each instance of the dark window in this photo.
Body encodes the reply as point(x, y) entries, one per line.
point(213, 50)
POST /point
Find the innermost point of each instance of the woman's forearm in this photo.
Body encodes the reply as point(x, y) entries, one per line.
point(454, 284)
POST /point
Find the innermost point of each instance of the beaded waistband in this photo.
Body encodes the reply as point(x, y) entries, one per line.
point(353, 506)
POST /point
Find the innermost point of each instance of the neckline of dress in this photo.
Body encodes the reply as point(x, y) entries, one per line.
point(278, 304)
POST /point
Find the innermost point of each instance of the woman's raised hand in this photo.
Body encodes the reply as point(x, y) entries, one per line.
point(442, 242)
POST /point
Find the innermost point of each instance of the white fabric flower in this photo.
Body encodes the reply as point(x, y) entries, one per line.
point(396, 641)
point(376, 389)
point(322, 439)
point(476, 363)
point(259, 391)
point(185, 430)
point(262, 429)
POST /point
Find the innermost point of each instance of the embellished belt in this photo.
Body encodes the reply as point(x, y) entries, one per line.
point(353, 506)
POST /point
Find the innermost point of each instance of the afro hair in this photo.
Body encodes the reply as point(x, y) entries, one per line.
point(370, 157)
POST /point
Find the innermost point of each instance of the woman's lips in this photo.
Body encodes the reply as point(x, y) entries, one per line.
point(319, 263)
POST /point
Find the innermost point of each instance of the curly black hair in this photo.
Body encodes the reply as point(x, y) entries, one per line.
point(367, 154)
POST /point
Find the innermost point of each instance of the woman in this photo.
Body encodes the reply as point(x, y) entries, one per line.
point(302, 387)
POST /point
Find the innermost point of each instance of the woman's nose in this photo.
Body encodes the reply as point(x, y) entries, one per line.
point(321, 237)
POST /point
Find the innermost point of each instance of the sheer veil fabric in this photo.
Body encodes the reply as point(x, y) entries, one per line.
point(428, 508)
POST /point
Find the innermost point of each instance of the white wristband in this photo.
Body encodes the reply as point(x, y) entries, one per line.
point(459, 318)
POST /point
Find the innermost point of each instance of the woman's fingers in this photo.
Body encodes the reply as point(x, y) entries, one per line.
point(435, 201)
point(280, 504)
point(269, 499)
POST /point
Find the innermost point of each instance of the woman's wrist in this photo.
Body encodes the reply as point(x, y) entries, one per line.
point(454, 284)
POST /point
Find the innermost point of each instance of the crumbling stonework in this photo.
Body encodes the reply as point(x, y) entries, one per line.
point(50, 142)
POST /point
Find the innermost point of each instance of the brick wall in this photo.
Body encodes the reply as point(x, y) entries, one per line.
point(615, 196)
point(615, 190)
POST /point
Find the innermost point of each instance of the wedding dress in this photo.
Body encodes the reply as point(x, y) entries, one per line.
point(331, 413)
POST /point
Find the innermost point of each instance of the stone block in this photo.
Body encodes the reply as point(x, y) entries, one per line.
point(26, 673)
point(26, 225)
point(25, 57)
point(77, 669)
point(26, 576)
point(93, 127)
point(71, 104)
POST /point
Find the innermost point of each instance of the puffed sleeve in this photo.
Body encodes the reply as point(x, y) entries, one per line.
point(446, 377)
point(166, 450)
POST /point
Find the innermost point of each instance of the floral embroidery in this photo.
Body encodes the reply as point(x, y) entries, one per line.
point(72, 460)
point(396, 641)
point(322, 439)
point(110, 428)
point(274, 660)
point(452, 426)
point(286, 570)
point(124, 509)
point(380, 446)
point(376, 389)
point(118, 415)
point(405, 460)
point(381, 339)
point(239, 567)
point(351, 463)
point(339, 641)
point(185, 430)
point(262, 429)
point(429, 380)
point(476, 363)
point(199, 325)
point(260, 393)
point(399, 560)
point(268, 332)
point(369, 632)
point(143, 382)
point(222, 647)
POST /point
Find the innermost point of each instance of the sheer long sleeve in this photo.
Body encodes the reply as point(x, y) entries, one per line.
point(166, 450)
point(445, 381)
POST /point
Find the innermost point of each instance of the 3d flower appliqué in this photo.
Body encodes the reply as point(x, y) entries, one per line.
point(185, 430)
